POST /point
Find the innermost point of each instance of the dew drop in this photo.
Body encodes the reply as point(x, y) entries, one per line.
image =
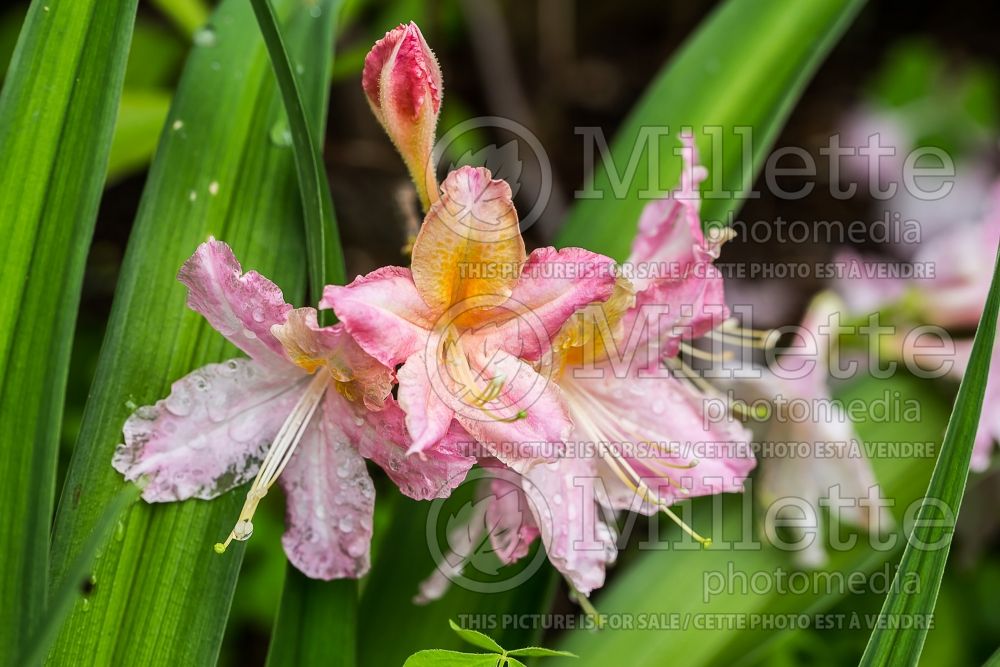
point(85, 604)
point(147, 412)
point(315, 11)
point(557, 499)
point(179, 403)
point(356, 548)
point(344, 470)
point(320, 512)
point(257, 314)
point(213, 188)
point(120, 530)
point(178, 124)
point(249, 334)
point(346, 524)
point(280, 135)
point(395, 463)
point(192, 196)
point(130, 405)
point(205, 36)
point(358, 420)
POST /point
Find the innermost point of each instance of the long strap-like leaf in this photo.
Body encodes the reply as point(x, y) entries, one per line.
point(162, 596)
point(899, 636)
point(57, 111)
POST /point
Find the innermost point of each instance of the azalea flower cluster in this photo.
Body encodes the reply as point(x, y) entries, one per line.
point(479, 352)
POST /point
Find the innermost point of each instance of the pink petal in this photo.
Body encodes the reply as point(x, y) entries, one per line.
point(433, 473)
point(511, 524)
point(658, 425)
point(527, 423)
point(553, 285)
point(670, 228)
point(329, 500)
point(383, 312)
point(311, 346)
point(242, 307)
point(210, 434)
point(428, 416)
point(578, 542)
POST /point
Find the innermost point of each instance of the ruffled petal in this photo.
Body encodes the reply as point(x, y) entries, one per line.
point(469, 250)
point(428, 416)
point(509, 519)
point(329, 501)
point(384, 313)
point(554, 284)
point(527, 423)
point(659, 427)
point(241, 307)
point(434, 473)
point(210, 434)
point(562, 495)
point(310, 346)
point(670, 228)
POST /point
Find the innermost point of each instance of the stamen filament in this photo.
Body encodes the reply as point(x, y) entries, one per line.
point(278, 456)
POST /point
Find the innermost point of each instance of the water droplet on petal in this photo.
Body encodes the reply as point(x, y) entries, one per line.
point(148, 412)
point(249, 334)
point(179, 403)
point(356, 548)
point(346, 524)
point(359, 420)
point(320, 512)
point(344, 470)
point(257, 314)
point(205, 36)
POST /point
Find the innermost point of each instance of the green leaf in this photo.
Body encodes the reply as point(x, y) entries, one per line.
point(541, 652)
point(744, 67)
point(187, 15)
point(440, 658)
point(326, 261)
point(315, 624)
point(57, 112)
point(76, 580)
point(891, 643)
point(217, 171)
point(476, 638)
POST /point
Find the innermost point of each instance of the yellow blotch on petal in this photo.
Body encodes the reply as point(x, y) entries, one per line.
point(469, 248)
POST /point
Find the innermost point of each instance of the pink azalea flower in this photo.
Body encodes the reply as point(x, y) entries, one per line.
point(403, 84)
point(639, 439)
point(306, 407)
point(472, 321)
point(834, 461)
point(960, 263)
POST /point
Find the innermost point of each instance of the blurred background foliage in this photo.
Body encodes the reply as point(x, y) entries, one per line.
point(554, 65)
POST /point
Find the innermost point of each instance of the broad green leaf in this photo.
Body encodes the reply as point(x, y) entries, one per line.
point(744, 68)
point(57, 111)
point(541, 652)
point(441, 658)
point(76, 581)
point(315, 624)
point(162, 594)
point(476, 638)
point(892, 643)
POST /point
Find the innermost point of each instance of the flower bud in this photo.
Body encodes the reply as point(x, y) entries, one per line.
point(402, 81)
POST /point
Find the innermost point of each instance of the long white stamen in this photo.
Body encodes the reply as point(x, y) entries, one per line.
point(278, 456)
